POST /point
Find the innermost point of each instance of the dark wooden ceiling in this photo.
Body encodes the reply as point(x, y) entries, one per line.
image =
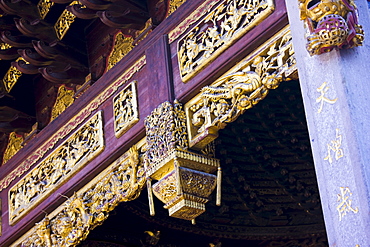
point(270, 195)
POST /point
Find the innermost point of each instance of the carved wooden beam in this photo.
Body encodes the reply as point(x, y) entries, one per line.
point(19, 41)
point(38, 29)
point(25, 9)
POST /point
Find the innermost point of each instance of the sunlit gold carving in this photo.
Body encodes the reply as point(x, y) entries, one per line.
point(184, 179)
point(174, 4)
point(334, 146)
point(11, 77)
point(203, 9)
point(89, 207)
point(44, 7)
point(81, 147)
point(122, 46)
point(72, 124)
point(331, 24)
point(64, 99)
point(322, 98)
point(4, 46)
point(224, 25)
point(64, 22)
point(14, 145)
point(345, 204)
point(126, 112)
point(239, 89)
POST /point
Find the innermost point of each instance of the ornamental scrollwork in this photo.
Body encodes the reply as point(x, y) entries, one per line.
point(126, 111)
point(239, 89)
point(72, 221)
point(174, 4)
point(218, 30)
point(330, 24)
point(64, 22)
point(64, 100)
point(11, 77)
point(82, 146)
point(122, 46)
point(44, 7)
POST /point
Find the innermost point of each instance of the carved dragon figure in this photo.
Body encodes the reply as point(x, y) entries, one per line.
point(331, 24)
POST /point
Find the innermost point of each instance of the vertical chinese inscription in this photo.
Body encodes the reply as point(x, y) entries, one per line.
point(323, 89)
point(219, 30)
point(81, 147)
point(335, 147)
point(126, 112)
point(345, 203)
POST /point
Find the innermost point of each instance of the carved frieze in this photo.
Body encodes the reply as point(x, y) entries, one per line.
point(72, 124)
point(239, 89)
point(217, 31)
point(69, 224)
point(14, 145)
point(63, 101)
point(126, 112)
point(81, 147)
point(330, 24)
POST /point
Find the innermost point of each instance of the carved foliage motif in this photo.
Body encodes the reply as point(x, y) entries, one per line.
point(126, 112)
point(64, 22)
point(239, 89)
point(165, 131)
point(122, 46)
point(331, 24)
point(14, 145)
point(60, 165)
point(44, 7)
point(88, 208)
point(219, 29)
point(64, 99)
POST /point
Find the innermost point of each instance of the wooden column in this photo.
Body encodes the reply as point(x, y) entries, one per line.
point(336, 93)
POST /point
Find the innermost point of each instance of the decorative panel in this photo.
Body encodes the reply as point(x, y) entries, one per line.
point(71, 222)
point(217, 31)
point(122, 46)
point(239, 89)
point(44, 7)
point(125, 107)
point(11, 77)
point(64, 22)
point(80, 148)
point(174, 4)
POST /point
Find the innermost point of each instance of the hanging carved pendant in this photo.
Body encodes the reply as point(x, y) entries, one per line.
point(184, 178)
point(240, 89)
point(331, 24)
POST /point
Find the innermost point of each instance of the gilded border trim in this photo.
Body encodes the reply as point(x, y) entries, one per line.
point(79, 149)
point(72, 124)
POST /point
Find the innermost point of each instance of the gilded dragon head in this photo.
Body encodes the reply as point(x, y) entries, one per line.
point(331, 24)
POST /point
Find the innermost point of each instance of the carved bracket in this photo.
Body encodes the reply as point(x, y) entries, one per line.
point(330, 24)
point(241, 88)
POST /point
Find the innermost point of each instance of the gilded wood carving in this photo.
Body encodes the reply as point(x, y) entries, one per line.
point(80, 148)
point(330, 24)
point(122, 46)
point(239, 89)
point(63, 101)
point(184, 178)
point(68, 225)
point(64, 22)
point(217, 31)
point(72, 124)
point(44, 7)
point(14, 145)
point(11, 77)
point(174, 4)
point(126, 111)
